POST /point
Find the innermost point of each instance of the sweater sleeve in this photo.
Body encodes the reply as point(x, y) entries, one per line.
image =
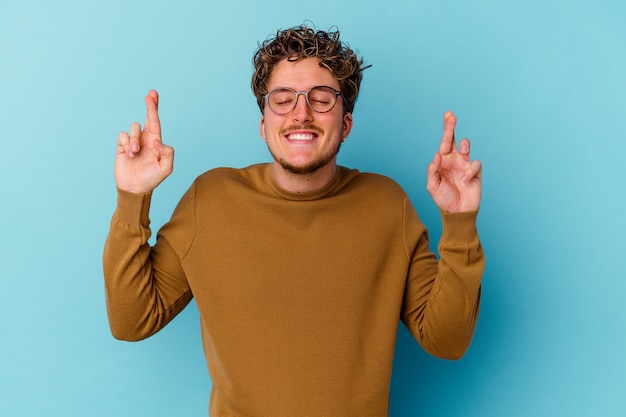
point(442, 297)
point(145, 286)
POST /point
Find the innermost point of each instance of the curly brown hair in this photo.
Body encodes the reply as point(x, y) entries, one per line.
point(304, 42)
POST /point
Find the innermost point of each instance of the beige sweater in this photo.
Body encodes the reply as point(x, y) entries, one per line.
point(299, 295)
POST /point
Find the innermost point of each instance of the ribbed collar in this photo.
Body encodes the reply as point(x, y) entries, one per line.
point(341, 178)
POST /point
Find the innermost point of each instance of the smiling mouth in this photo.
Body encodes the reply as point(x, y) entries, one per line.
point(302, 133)
point(301, 136)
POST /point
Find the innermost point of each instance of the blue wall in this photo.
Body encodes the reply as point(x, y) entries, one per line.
point(538, 85)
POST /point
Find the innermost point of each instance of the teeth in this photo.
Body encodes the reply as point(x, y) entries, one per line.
point(300, 136)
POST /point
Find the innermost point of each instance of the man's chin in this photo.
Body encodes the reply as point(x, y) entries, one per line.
point(302, 169)
point(310, 167)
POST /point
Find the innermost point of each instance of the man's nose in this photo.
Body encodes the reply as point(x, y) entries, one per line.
point(302, 111)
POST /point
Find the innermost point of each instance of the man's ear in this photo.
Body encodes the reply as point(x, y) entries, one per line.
point(347, 125)
point(262, 128)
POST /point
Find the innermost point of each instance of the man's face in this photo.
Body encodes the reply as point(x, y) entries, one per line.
point(303, 141)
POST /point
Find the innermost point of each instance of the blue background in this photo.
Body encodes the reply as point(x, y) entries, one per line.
point(538, 85)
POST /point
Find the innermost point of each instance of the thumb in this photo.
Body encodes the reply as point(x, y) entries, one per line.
point(433, 175)
point(163, 150)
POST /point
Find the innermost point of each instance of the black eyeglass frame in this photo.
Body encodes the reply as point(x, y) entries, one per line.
point(306, 98)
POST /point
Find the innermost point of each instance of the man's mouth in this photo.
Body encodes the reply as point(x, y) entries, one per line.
point(296, 133)
point(302, 133)
point(301, 136)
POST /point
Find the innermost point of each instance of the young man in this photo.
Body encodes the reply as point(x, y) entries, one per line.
point(300, 268)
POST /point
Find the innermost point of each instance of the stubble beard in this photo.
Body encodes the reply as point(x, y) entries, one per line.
point(311, 167)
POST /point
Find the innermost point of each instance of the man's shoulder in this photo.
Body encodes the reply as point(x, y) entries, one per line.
point(228, 174)
point(373, 182)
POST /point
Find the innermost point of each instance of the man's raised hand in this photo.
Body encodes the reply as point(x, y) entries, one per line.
point(142, 161)
point(454, 181)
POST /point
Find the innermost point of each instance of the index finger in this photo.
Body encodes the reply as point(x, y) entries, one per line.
point(152, 124)
point(447, 139)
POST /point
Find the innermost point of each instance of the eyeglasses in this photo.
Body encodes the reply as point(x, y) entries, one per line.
point(320, 99)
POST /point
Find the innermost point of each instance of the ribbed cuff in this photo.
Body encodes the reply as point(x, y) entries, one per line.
point(133, 208)
point(459, 227)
